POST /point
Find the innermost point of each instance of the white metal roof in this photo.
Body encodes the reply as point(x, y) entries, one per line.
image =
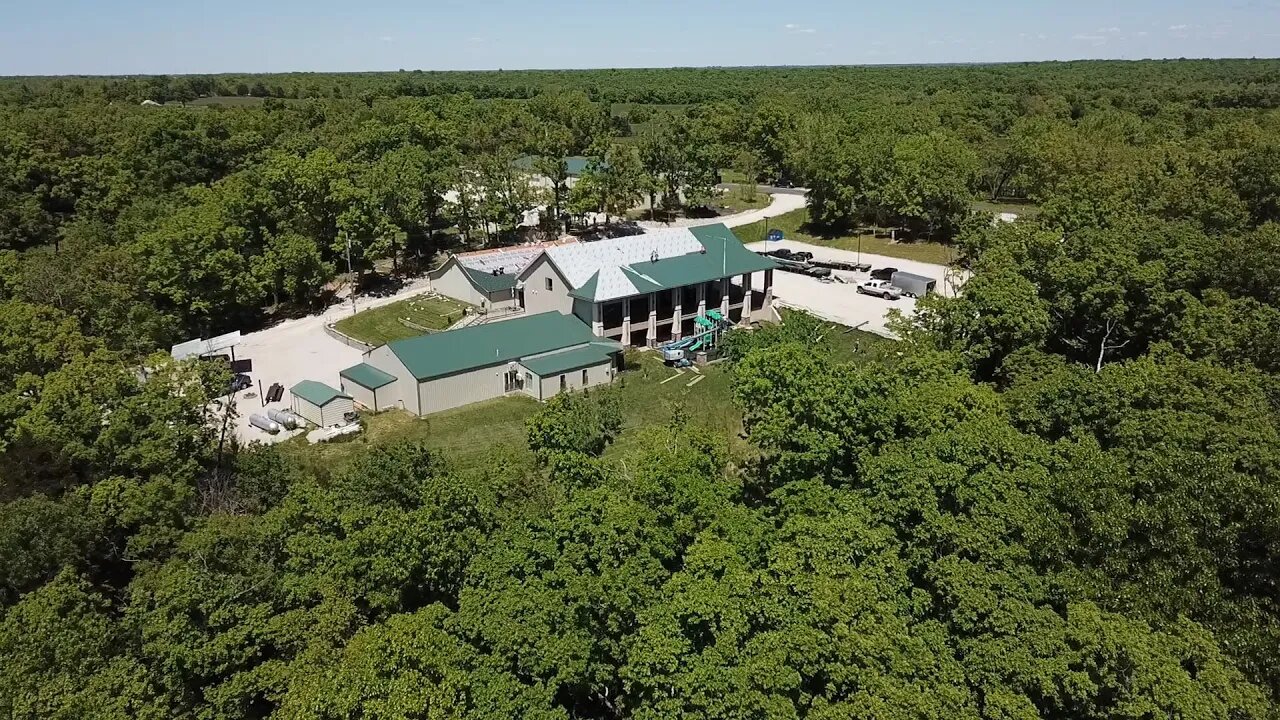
point(512, 260)
point(580, 261)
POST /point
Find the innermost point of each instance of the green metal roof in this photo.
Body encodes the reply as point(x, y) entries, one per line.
point(480, 346)
point(723, 255)
point(317, 393)
point(368, 376)
point(566, 360)
point(488, 282)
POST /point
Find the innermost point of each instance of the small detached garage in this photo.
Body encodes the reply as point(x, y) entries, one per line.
point(320, 404)
point(369, 387)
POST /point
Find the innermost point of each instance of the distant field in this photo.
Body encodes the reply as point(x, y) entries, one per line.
point(793, 225)
point(382, 325)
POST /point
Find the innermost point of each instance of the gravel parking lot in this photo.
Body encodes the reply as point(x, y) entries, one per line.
point(841, 302)
point(298, 350)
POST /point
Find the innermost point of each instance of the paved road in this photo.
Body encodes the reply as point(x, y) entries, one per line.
point(768, 189)
point(779, 204)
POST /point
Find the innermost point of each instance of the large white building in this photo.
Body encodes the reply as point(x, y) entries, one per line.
point(637, 290)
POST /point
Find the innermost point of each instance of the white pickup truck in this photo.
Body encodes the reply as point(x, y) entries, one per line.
point(881, 288)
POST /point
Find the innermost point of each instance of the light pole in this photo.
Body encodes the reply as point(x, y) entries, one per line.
point(350, 272)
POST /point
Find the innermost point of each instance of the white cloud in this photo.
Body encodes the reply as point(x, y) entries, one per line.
point(790, 26)
point(1176, 28)
point(1090, 38)
point(1109, 30)
point(1142, 33)
point(387, 38)
point(796, 29)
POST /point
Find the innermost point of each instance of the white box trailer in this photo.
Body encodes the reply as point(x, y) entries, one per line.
point(913, 285)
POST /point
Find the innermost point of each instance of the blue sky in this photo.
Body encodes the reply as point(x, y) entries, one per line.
point(181, 36)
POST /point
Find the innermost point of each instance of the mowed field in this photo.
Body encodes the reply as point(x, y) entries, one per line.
point(384, 324)
point(477, 436)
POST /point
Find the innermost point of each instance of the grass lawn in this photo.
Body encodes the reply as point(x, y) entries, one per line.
point(473, 435)
point(1021, 207)
point(382, 325)
point(735, 201)
point(477, 436)
point(795, 223)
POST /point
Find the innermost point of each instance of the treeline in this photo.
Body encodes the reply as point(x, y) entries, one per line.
point(154, 224)
point(998, 520)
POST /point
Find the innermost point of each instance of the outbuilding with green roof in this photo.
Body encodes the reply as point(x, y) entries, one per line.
point(320, 404)
point(536, 355)
point(369, 386)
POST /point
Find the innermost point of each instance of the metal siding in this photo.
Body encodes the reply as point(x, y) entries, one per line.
point(537, 299)
point(334, 410)
point(454, 391)
point(387, 397)
point(596, 375)
point(405, 388)
point(360, 393)
point(455, 284)
point(308, 410)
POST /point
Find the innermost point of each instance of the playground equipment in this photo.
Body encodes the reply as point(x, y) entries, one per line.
point(677, 352)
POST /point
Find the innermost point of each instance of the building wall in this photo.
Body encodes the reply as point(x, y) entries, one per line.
point(332, 413)
point(454, 283)
point(362, 395)
point(306, 410)
point(537, 299)
point(404, 391)
point(596, 375)
point(462, 389)
point(384, 398)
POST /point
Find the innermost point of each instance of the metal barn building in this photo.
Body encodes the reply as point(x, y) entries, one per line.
point(537, 355)
point(320, 404)
point(371, 388)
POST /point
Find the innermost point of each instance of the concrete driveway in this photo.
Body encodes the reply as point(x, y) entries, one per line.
point(297, 350)
point(779, 204)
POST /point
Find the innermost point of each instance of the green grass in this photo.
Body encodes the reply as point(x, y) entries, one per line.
point(732, 176)
point(735, 200)
point(382, 325)
point(795, 226)
point(471, 436)
point(1021, 207)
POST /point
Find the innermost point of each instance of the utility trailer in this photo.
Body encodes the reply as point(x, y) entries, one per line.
point(913, 285)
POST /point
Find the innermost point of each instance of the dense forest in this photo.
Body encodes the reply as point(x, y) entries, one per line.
point(1058, 496)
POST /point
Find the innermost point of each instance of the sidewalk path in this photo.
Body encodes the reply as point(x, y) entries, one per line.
point(780, 204)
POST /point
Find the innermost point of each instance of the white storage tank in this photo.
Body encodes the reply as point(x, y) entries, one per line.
point(265, 423)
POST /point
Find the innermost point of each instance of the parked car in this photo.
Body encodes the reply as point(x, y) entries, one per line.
point(782, 253)
point(818, 272)
point(883, 273)
point(239, 382)
point(880, 288)
point(802, 255)
point(774, 235)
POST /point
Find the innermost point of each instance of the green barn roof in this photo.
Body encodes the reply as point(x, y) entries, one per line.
point(317, 393)
point(368, 376)
point(488, 282)
point(480, 346)
point(564, 361)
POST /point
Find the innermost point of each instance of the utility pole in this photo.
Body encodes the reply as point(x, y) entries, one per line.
point(350, 272)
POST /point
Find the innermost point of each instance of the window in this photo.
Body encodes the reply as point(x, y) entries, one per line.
point(584, 377)
point(549, 286)
point(563, 384)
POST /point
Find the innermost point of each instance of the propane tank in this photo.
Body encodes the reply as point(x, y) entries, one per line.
point(265, 423)
point(287, 420)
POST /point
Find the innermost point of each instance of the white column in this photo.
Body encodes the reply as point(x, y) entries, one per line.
point(702, 298)
point(677, 320)
point(597, 319)
point(626, 321)
point(653, 319)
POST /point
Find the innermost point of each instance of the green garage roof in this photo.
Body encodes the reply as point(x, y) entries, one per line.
point(367, 376)
point(481, 346)
point(564, 361)
point(488, 282)
point(317, 393)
